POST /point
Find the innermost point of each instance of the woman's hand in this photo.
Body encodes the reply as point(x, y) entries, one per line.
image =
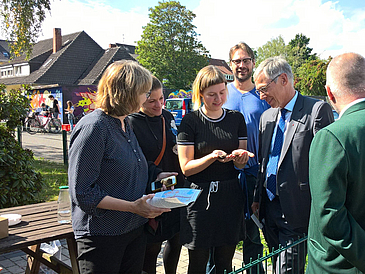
point(142, 208)
point(240, 157)
point(166, 174)
point(163, 175)
point(219, 155)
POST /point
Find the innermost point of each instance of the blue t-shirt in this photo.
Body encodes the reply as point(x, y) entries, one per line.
point(251, 106)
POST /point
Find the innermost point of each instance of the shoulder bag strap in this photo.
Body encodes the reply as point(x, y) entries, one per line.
point(159, 158)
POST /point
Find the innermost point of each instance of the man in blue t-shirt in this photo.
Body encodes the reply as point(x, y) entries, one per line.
point(242, 97)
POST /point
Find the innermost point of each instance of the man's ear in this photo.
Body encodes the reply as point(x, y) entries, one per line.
point(330, 95)
point(283, 79)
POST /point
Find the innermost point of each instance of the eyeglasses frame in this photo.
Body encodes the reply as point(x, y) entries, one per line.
point(244, 60)
point(148, 94)
point(264, 88)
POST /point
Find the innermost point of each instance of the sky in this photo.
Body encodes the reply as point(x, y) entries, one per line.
point(334, 27)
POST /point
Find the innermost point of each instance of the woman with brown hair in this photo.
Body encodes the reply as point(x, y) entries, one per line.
point(156, 133)
point(108, 175)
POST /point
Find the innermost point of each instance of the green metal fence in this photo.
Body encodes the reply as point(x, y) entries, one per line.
point(254, 265)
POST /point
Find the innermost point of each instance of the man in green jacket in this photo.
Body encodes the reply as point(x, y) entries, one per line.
point(336, 237)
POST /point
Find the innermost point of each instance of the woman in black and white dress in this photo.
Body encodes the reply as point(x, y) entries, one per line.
point(212, 145)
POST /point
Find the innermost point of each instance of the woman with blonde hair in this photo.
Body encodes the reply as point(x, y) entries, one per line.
point(212, 145)
point(108, 175)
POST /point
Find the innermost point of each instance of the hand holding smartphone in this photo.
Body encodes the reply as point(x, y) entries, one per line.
point(156, 186)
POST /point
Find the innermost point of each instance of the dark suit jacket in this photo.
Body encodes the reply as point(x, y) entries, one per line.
point(308, 117)
point(336, 236)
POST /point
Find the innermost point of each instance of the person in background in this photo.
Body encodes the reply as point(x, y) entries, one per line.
point(211, 144)
point(156, 132)
point(55, 109)
point(336, 234)
point(44, 109)
point(282, 198)
point(70, 114)
point(108, 175)
point(243, 98)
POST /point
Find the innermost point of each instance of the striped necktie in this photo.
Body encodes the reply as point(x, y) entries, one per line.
point(272, 165)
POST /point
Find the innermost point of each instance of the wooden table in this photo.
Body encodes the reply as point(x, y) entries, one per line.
point(39, 225)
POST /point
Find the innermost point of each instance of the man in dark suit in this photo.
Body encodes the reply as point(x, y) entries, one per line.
point(282, 196)
point(336, 235)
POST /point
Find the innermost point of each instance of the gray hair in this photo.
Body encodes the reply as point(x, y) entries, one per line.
point(346, 74)
point(274, 66)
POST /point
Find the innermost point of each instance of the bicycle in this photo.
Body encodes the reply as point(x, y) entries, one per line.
point(34, 124)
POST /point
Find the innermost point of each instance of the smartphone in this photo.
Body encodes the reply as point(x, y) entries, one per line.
point(168, 182)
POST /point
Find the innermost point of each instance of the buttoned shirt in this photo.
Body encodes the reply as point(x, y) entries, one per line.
point(104, 161)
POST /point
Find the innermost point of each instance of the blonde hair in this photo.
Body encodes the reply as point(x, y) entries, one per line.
point(120, 86)
point(207, 76)
point(69, 105)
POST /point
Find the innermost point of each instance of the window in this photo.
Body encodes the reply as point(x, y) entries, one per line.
point(17, 71)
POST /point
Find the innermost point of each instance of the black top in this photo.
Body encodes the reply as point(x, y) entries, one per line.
point(148, 131)
point(104, 160)
point(208, 134)
point(54, 107)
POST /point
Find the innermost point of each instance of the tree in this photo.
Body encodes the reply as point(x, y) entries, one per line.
point(311, 77)
point(300, 46)
point(274, 47)
point(299, 52)
point(19, 183)
point(169, 47)
point(309, 71)
point(22, 21)
point(296, 52)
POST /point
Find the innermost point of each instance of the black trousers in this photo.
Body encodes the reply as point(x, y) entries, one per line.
point(278, 231)
point(112, 254)
point(252, 246)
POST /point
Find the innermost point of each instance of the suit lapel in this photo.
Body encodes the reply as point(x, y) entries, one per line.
point(296, 119)
point(267, 134)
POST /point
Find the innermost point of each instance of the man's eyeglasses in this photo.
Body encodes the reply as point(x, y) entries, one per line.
point(246, 61)
point(264, 88)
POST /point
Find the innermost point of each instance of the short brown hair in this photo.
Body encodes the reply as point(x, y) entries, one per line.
point(207, 76)
point(243, 46)
point(120, 86)
point(156, 84)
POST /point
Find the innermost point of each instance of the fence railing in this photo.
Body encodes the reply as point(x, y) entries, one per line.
point(254, 265)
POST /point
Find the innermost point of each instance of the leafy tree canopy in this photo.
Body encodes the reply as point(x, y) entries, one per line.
point(169, 47)
point(309, 70)
point(300, 44)
point(274, 47)
point(22, 21)
point(311, 77)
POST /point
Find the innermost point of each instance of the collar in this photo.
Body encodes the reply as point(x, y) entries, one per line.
point(350, 105)
point(290, 106)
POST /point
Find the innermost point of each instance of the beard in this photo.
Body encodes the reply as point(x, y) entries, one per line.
point(243, 78)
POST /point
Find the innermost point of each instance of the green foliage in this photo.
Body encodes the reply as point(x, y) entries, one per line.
point(311, 77)
point(309, 71)
point(19, 183)
point(274, 47)
point(300, 46)
point(299, 52)
point(169, 47)
point(13, 106)
point(22, 23)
